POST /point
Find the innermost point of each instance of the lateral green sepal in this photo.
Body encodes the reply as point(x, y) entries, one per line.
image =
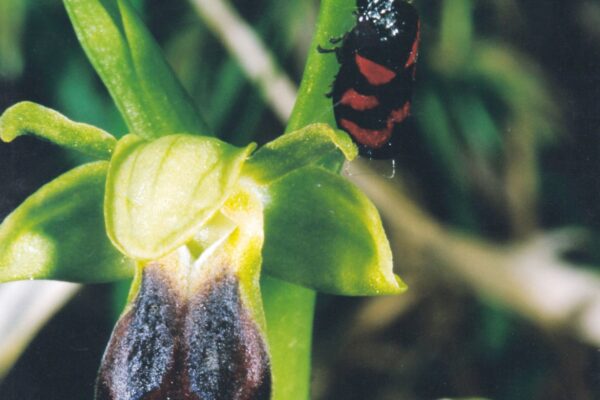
point(30, 118)
point(323, 233)
point(58, 233)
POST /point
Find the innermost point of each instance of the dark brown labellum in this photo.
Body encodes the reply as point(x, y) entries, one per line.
point(178, 346)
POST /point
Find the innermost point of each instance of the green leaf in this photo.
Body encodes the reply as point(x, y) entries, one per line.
point(131, 65)
point(159, 193)
point(13, 15)
point(317, 144)
point(322, 232)
point(476, 125)
point(516, 82)
point(27, 117)
point(439, 133)
point(58, 233)
point(456, 36)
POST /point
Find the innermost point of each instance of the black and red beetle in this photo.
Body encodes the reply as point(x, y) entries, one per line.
point(372, 91)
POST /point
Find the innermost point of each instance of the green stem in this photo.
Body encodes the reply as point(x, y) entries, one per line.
point(312, 104)
point(289, 309)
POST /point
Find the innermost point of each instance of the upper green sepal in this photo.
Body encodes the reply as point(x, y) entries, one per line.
point(30, 118)
point(316, 144)
point(159, 193)
point(58, 233)
point(322, 232)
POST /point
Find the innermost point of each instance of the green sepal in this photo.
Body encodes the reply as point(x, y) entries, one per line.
point(30, 118)
point(160, 193)
point(131, 65)
point(58, 233)
point(323, 233)
point(317, 145)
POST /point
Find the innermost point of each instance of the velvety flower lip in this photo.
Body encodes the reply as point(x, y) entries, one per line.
point(226, 345)
point(141, 357)
point(171, 344)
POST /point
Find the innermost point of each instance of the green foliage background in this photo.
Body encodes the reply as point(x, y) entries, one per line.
point(506, 108)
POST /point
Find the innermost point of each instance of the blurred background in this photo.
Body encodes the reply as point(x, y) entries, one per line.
point(493, 213)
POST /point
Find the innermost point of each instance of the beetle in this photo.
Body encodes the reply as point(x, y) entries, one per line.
point(372, 90)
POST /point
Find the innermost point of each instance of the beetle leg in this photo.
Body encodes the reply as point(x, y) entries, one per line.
point(323, 50)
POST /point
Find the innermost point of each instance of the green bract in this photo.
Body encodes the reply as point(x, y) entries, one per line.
point(159, 193)
point(58, 233)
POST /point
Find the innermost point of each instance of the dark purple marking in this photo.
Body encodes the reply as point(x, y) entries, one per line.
point(169, 347)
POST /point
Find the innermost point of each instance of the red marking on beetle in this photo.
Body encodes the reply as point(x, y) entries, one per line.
point(369, 137)
point(357, 101)
point(375, 138)
point(399, 115)
point(414, 52)
point(376, 74)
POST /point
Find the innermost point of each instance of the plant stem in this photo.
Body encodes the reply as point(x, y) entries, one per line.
point(289, 309)
point(312, 104)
